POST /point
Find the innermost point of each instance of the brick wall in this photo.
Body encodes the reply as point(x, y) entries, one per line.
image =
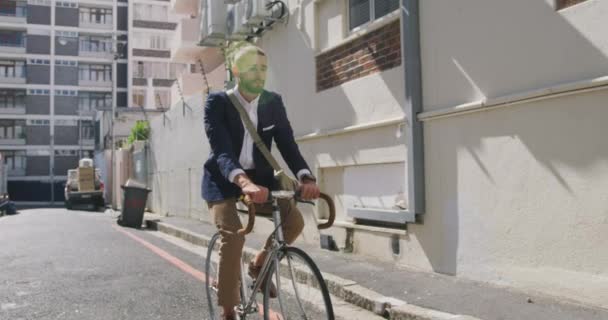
point(560, 4)
point(374, 52)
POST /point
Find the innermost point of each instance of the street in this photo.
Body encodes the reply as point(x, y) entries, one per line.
point(59, 264)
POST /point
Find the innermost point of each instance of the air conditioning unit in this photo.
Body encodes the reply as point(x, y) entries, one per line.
point(213, 23)
point(235, 30)
point(255, 12)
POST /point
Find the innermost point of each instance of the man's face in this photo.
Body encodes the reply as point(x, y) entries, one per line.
point(251, 72)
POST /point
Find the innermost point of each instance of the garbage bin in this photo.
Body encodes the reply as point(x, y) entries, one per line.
point(133, 206)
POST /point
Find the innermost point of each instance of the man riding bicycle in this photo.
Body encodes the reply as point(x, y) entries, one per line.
point(235, 167)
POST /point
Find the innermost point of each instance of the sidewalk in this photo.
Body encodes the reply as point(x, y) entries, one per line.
point(384, 288)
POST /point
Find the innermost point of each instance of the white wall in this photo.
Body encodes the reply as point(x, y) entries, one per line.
point(515, 195)
point(474, 49)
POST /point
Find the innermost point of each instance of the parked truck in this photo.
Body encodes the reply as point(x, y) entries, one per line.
point(84, 185)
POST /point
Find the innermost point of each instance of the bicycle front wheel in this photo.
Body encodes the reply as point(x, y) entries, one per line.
point(301, 290)
point(210, 278)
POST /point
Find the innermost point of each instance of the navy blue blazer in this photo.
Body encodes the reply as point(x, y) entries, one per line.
point(225, 132)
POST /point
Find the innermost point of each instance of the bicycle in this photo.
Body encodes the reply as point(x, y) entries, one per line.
point(301, 291)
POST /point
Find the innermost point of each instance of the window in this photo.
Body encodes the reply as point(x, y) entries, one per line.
point(560, 4)
point(12, 98)
point(87, 130)
point(67, 4)
point(95, 44)
point(12, 129)
point(146, 40)
point(12, 38)
point(139, 98)
point(67, 63)
point(14, 160)
point(38, 122)
point(12, 8)
point(161, 99)
point(96, 15)
point(158, 70)
point(66, 153)
point(150, 12)
point(95, 72)
point(12, 69)
point(361, 12)
point(66, 93)
point(39, 61)
point(38, 92)
point(89, 101)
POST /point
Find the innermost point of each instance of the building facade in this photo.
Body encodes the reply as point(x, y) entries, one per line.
point(513, 136)
point(57, 70)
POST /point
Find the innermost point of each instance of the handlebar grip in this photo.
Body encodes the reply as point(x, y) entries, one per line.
point(251, 221)
point(332, 211)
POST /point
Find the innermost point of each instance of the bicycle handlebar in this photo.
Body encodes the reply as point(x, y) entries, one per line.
point(251, 220)
point(251, 212)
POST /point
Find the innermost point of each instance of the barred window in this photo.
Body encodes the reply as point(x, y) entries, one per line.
point(12, 98)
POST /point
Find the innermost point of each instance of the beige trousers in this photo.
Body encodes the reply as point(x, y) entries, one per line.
point(226, 219)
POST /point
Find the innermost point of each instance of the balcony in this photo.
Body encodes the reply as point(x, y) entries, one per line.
point(12, 78)
point(184, 6)
point(13, 43)
point(94, 83)
point(12, 142)
point(14, 12)
point(15, 172)
point(96, 25)
point(185, 46)
point(88, 142)
point(17, 109)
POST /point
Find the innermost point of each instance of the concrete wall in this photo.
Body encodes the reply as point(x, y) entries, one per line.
point(38, 14)
point(38, 135)
point(69, 49)
point(38, 44)
point(66, 17)
point(515, 196)
point(38, 166)
point(63, 164)
point(38, 74)
point(66, 105)
point(66, 135)
point(65, 75)
point(38, 104)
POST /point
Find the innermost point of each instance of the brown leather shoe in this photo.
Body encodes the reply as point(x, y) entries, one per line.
point(254, 271)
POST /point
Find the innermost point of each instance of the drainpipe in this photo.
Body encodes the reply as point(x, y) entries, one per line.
point(411, 62)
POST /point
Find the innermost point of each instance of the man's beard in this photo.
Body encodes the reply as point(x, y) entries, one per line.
point(251, 87)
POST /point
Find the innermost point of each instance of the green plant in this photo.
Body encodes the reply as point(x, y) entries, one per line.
point(139, 132)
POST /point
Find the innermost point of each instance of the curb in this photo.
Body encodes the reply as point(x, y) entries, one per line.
point(344, 289)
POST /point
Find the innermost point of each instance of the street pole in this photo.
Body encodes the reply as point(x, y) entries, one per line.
point(115, 56)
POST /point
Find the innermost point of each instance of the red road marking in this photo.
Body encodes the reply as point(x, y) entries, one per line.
point(182, 265)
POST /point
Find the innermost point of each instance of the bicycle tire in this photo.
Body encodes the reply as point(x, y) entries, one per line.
point(299, 285)
point(214, 312)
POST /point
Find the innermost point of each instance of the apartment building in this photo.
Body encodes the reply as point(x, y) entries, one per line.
point(57, 69)
point(207, 71)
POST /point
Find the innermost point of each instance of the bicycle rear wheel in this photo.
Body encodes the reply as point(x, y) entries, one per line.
point(301, 290)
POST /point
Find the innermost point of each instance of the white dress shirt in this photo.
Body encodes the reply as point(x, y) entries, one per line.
point(246, 157)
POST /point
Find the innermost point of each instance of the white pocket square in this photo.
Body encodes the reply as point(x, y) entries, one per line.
point(268, 128)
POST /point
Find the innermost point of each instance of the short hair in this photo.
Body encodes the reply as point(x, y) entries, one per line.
point(245, 49)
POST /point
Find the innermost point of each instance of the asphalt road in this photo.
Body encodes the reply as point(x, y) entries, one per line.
point(59, 264)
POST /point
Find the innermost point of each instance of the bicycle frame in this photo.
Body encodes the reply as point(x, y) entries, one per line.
point(277, 243)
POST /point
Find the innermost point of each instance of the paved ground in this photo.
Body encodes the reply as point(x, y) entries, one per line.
point(60, 264)
point(434, 291)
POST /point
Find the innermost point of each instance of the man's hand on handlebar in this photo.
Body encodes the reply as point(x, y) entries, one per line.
point(309, 190)
point(258, 194)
